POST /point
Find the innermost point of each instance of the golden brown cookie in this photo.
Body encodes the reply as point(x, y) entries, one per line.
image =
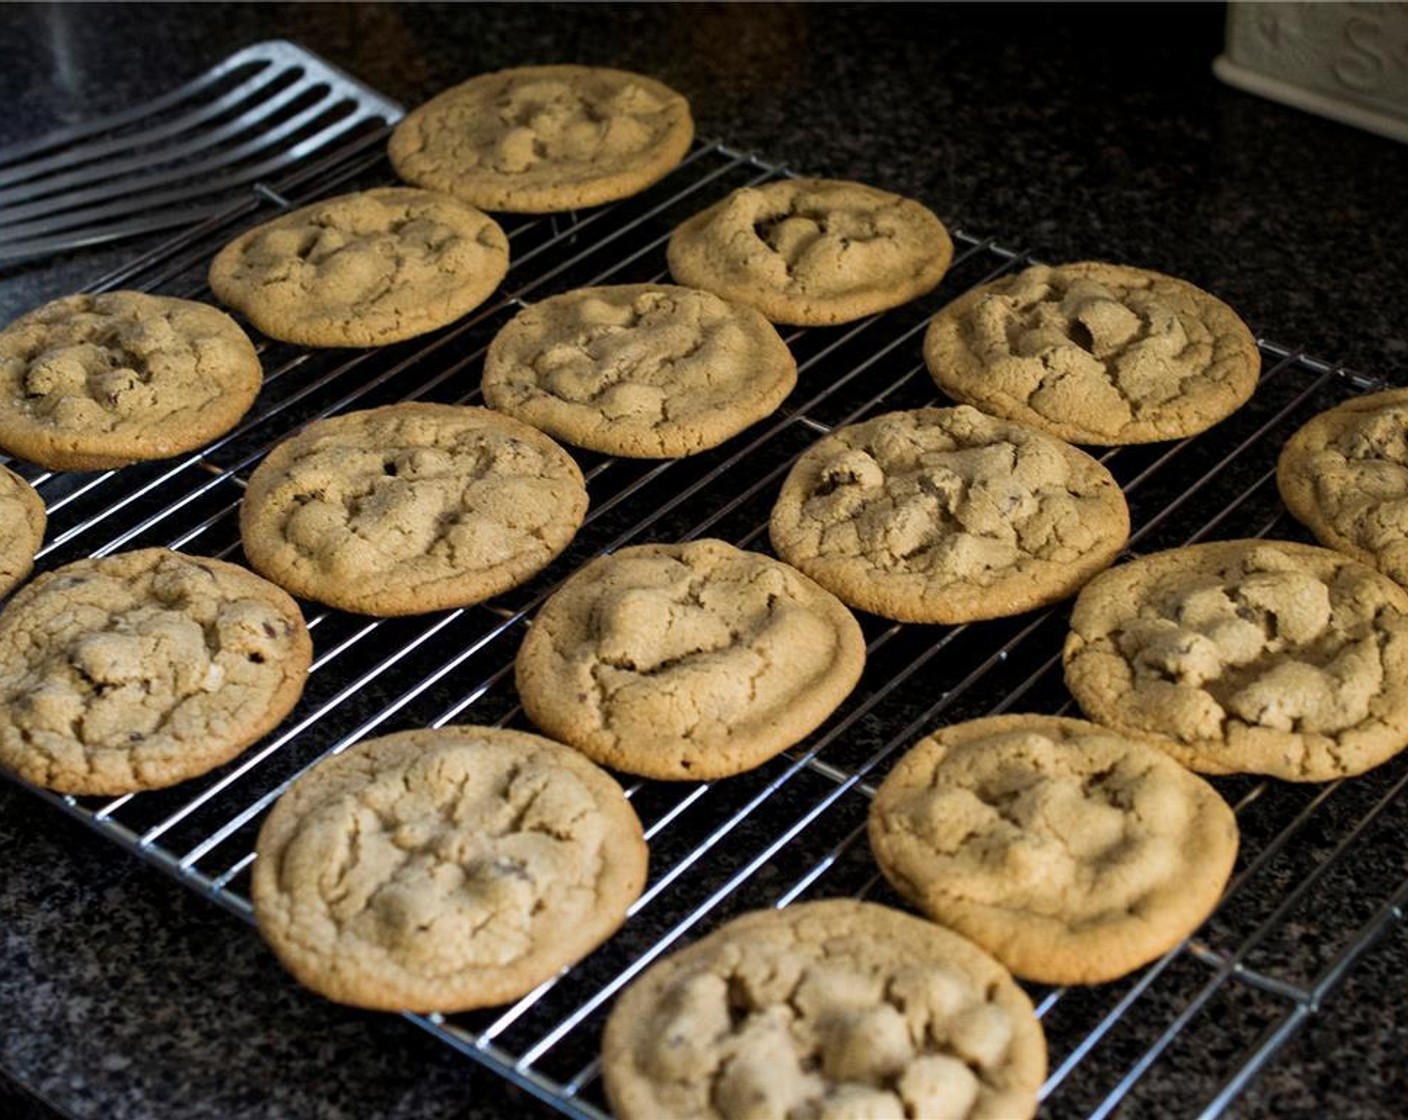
point(812, 252)
point(1095, 353)
point(690, 661)
point(543, 138)
point(22, 522)
point(94, 382)
point(143, 669)
point(1263, 657)
point(644, 370)
point(363, 269)
point(1345, 475)
point(1072, 853)
point(410, 508)
point(825, 1009)
point(947, 515)
point(445, 870)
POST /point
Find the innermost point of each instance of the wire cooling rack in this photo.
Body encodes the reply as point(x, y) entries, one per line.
point(1321, 872)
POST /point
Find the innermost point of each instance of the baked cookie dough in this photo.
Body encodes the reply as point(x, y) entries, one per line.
point(363, 269)
point(22, 522)
point(813, 252)
point(143, 669)
point(643, 370)
point(689, 661)
point(1095, 353)
point(947, 516)
point(445, 870)
point(1072, 853)
point(544, 138)
point(1263, 657)
point(410, 508)
point(825, 1009)
point(1345, 475)
point(95, 382)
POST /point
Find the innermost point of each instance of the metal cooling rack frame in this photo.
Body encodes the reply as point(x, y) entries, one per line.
point(1195, 1026)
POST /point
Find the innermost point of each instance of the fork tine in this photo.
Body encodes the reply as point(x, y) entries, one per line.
point(74, 223)
point(182, 157)
point(68, 134)
point(13, 218)
point(36, 248)
point(39, 177)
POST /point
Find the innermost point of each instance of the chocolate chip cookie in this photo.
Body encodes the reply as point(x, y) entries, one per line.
point(642, 370)
point(445, 870)
point(691, 661)
point(363, 269)
point(143, 669)
point(94, 382)
point(22, 522)
point(948, 515)
point(410, 508)
point(1095, 353)
point(813, 252)
point(1263, 657)
point(1072, 853)
point(1345, 475)
point(543, 138)
point(835, 1008)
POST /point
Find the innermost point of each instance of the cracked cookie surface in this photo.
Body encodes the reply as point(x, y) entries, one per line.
point(445, 870)
point(1095, 353)
point(363, 269)
point(22, 522)
point(410, 508)
point(691, 661)
point(948, 515)
point(1072, 853)
point(813, 252)
point(543, 138)
point(825, 1009)
point(643, 370)
point(1264, 657)
point(143, 669)
point(1345, 475)
point(95, 382)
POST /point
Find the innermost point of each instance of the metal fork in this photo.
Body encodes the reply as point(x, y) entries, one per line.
point(174, 160)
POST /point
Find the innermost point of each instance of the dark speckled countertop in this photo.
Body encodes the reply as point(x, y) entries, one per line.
point(1072, 132)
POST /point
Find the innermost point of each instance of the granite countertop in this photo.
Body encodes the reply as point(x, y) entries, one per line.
point(1071, 132)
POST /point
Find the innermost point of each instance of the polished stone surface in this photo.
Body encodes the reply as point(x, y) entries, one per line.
point(1068, 132)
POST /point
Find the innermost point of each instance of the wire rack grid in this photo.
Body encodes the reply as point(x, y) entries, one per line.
point(1195, 1026)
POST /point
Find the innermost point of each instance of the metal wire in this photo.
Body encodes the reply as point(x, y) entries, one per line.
point(793, 828)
